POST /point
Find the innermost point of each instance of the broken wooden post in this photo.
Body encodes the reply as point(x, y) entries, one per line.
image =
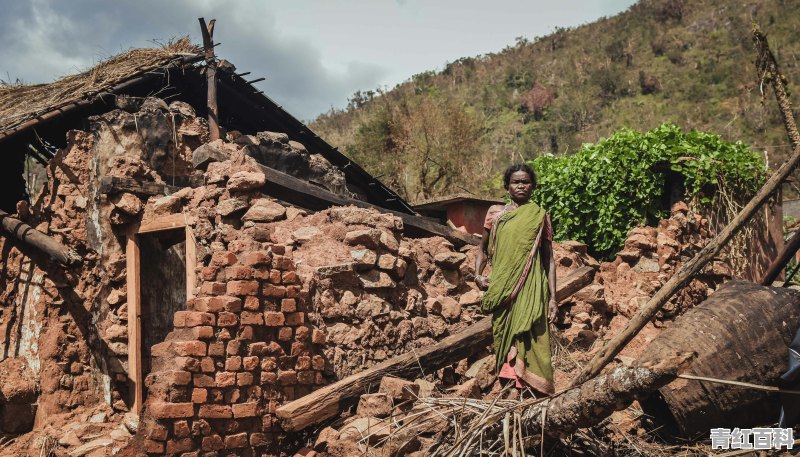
point(329, 400)
point(768, 68)
point(31, 237)
point(777, 265)
point(689, 269)
point(211, 76)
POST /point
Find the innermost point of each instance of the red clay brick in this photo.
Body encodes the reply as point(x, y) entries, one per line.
point(193, 348)
point(271, 290)
point(153, 447)
point(318, 336)
point(269, 377)
point(252, 318)
point(212, 443)
point(187, 364)
point(225, 303)
point(181, 378)
point(245, 410)
point(289, 277)
point(223, 258)
point(273, 348)
point(181, 429)
point(285, 334)
point(269, 363)
point(196, 318)
point(215, 412)
point(244, 378)
point(274, 319)
point(239, 272)
point(199, 395)
point(292, 291)
point(288, 305)
point(275, 276)
point(282, 263)
point(212, 288)
point(207, 365)
point(246, 332)
point(256, 258)
point(318, 363)
point(256, 348)
point(233, 347)
point(209, 273)
point(204, 332)
point(225, 379)
point(242, 288)
point(179, 319)
point(236, 441)
point(181, 445)
point(233, 363)
point(302, 333)
point(250, 363)
point(162, 349)
point(227, 319)
point(295, 318)
point(303, 363)
point(203, 380)
point(216, 348)
point(305, 377)
point(252, 303)
point(158, 432)
point(164, 410)
point(287, 377)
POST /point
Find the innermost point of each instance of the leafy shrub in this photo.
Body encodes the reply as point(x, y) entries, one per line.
point(599, 193)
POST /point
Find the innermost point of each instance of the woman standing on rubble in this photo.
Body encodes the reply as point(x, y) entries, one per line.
point(517, 239)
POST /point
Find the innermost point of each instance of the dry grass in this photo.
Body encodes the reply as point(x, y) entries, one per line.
point(20, 103)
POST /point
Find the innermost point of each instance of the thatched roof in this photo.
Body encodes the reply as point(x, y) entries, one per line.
point(21, 103)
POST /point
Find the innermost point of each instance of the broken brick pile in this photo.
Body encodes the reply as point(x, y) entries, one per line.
point(285, 301)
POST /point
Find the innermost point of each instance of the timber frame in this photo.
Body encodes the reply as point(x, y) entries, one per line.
point(133, 261)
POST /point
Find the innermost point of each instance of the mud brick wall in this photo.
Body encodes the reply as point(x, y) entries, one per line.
point(242, 348)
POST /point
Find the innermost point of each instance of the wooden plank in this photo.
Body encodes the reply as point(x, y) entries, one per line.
point(191, 262)
point(211, 77)
point(329, 400)
point(114, 184)
point(306, 195)
point(169, 222)
point(134, 321)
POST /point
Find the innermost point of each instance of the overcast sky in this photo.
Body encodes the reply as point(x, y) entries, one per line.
point(314, 53)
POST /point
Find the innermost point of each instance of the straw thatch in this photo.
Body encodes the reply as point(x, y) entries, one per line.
point(20, 103)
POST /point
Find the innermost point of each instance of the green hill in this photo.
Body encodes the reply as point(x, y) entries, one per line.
point(680, 61)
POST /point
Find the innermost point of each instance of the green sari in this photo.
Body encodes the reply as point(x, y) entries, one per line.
point(517, 297)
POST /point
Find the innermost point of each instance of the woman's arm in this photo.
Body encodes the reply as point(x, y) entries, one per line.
point(480, 262)
point(550, 266)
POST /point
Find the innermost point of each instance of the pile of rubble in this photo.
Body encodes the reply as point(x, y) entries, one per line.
point(285, 301)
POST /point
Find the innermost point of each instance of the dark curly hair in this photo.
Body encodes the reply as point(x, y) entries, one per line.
point(515, 168)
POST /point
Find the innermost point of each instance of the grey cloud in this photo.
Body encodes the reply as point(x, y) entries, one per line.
point(45, 39)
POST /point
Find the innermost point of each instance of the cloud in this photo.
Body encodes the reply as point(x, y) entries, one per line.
point(46, 39)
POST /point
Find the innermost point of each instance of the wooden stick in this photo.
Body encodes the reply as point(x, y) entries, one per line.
point(29, 236)
point(689, 269)
point(329, 400)
point(134, 322)
point(211, 77)
point(769, 70)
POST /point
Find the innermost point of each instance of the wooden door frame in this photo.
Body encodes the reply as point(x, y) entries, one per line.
point(133, 262)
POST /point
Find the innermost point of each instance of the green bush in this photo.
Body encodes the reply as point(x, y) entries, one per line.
point(599, 193)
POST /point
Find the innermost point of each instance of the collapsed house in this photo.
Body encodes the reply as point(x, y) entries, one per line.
point(171, 288)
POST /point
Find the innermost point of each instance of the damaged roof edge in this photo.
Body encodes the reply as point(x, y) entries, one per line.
point(377, 192)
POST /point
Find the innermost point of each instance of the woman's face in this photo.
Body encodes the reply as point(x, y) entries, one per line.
point(520, 187)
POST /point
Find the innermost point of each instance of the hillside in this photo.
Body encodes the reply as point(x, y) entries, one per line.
point(680, 61)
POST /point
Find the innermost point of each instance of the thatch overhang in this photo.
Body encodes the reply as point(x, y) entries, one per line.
point(34, 115)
